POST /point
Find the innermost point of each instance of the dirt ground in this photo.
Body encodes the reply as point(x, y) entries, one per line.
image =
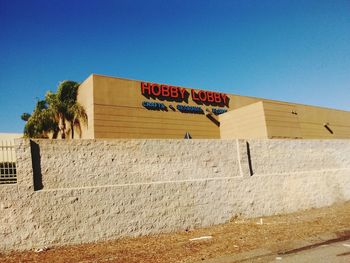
point(237, 236)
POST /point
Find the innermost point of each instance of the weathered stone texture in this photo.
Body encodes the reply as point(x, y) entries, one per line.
point(283, 156)
point(100, 190)
point(93, 163)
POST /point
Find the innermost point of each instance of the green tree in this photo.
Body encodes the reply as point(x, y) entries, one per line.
point(66, 109)
point(58, 113)
point(25, 116)
point(40, 123)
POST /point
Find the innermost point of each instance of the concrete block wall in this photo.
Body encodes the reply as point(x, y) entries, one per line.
point(71, 192)
point(285, 157)
point(115, 162)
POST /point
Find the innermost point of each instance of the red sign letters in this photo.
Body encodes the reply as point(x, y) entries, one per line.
point(157, 90)
point(209, 97)
point(173, 93)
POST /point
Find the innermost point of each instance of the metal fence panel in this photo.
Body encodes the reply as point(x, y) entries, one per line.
point(8, 173)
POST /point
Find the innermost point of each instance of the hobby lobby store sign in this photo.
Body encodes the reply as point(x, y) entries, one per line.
point(173, 93)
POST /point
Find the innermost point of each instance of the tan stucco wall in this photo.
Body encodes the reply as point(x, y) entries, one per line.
point(282, 120)
point(119, 114)
point(122, 188)
point(115, 110)
point(270, 119)
point(312, 120)
point(247, 122)
point(285, 120)
point(86, 99)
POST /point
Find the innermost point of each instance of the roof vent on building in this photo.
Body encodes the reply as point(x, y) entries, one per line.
point(326, 125)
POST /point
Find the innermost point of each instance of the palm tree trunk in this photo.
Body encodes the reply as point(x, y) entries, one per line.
point(62, 127)
point(72, 128)
point(54, 135)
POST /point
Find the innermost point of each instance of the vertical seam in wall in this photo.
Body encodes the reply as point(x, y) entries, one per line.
point(92, 122)
point(239, 158)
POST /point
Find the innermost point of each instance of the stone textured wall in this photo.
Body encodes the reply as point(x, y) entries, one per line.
point(84, 191)
point(277, 156)
point(112, 162)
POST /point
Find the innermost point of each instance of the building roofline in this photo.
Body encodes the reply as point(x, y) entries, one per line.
point(239, 95)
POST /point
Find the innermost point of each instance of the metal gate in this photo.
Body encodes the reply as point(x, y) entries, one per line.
point(8, 173)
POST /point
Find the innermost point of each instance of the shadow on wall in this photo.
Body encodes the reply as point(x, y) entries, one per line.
point(36, 164)
point(249, 160)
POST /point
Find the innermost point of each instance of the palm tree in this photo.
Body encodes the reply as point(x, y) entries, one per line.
point(40, 123)
point(66, 109)
point(55, 113)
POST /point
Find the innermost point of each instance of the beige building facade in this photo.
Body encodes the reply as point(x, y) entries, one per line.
point(122, 108)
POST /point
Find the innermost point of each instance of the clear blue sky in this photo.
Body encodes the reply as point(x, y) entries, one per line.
point(296, 51)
